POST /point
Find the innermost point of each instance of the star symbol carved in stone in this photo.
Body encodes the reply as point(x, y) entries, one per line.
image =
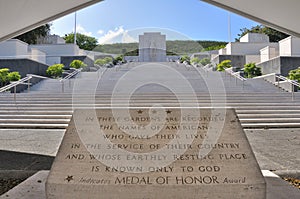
point(139, 111)
point(69, 178)
point(168, 111)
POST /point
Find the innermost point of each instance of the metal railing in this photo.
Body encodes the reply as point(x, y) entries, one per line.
point(206, 68)
point(23, 81)
point(26, 81)
point(68, 77)
point(293, 83)
point(277, 79)
point(236, 75)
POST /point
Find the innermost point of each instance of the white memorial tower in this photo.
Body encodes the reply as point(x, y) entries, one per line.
point(152, 47)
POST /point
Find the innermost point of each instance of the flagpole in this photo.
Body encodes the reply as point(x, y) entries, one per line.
point(229, 26)
point(75, 32)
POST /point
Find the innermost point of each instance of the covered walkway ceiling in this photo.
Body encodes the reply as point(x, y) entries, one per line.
point(282, 15)
point(19, 16)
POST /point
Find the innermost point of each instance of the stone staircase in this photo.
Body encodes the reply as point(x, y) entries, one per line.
point(258, 104)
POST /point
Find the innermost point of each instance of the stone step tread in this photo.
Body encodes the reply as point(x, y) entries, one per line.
point(29, 112)
point(270, 125)
point(268, 115)
point(109, 92)
point(29, 116)
point(166, 102)
point(34, 121)
point(42, 122)
point(65, 117)
point(145, 97)
point(240, 108)
point(269, 120)
point(35, 126)
point(82, 101)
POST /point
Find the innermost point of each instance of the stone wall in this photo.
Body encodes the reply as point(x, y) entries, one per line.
point(66, 60)
point(271, 66)
point(280, 65)
point(236, 60)
point(24, 66)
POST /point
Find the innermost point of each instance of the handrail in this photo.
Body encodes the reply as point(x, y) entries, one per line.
point(21, 81)
point(16, 83)
point(264, 76)
point(70, 75)
point(37, 76)
point(293, 82)
point(235, 74)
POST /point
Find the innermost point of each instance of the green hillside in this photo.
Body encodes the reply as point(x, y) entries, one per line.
point(179, 47)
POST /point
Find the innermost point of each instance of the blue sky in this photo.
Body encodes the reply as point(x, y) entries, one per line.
point(113, 21)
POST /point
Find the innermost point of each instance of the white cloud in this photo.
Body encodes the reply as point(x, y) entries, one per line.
point(100, 32)
point(81, 29)
point(127, 38)
point(116, 35)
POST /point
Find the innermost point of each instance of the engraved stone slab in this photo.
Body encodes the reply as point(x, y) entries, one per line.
point(155, 153)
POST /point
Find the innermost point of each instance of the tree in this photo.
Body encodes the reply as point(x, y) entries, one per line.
point(55, 70)
point(83, 41)
point(211, 48)
point(32, 36)
point(274, 35)
point(295, 74)
point(251, 70)
point(223, 65)
point(77, 64)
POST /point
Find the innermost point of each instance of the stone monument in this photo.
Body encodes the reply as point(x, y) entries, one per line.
point(155, 153)
point(152, 47)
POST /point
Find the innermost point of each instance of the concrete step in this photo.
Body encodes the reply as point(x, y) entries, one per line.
point(34, 121)
point(32, 126)
point(270, 120)
point(270, 115)
point(258, 104)
point(270, 125)
point(32, 116)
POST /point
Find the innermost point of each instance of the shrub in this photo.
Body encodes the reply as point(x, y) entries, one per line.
point(108, 59)
point(103, 61)
point(295, 74)
point(13, 76)
point(55, 70)
point(223, 65)
point(3, 76)
point(185, 58)
point(195, 60)
point(77, 64)
point(204, 61)
point(251, 70)
point(100, 62)
point(119, 58)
